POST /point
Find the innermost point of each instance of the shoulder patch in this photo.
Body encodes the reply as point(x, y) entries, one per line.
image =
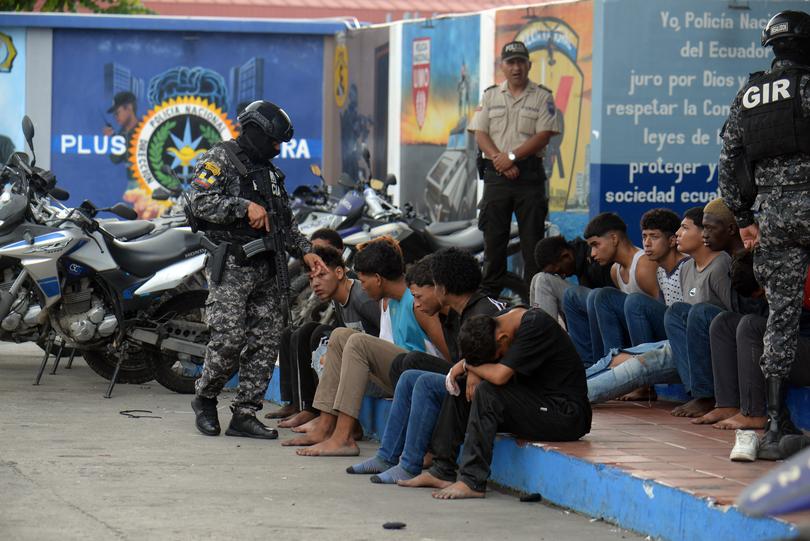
point(552, 110)
point(213, 168)
point(547, 89)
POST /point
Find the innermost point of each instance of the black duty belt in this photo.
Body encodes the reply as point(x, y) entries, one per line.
point(801, 187)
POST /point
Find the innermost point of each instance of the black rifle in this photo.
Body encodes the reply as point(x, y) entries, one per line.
point(275, 242)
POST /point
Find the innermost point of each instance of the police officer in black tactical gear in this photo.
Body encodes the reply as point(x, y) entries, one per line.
point(234, 190)
point(764, 178)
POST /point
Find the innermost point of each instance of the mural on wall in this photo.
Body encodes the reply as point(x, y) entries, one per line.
point(661, 112)
point(12, 91)
point(358, 104)
point(136, 110)
point(559, 39)
point(440, 88)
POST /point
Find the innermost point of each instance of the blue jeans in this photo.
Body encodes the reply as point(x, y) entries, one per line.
point(608, 306)
point(595, 320)
point(417, 400)
point(687, 328)
point(652, 363)
point(645, 319)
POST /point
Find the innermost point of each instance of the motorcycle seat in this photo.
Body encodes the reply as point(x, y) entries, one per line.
point(445, 228)
point(126, 230)
point(145, 257)
point(471, 239)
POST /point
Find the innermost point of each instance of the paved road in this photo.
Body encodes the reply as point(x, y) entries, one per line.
point(72, 467)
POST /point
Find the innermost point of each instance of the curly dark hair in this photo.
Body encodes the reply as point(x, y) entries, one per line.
point(419, 273)
point(696, 215)
point(457, 270)
point(548, 250)
point(476, 340)
point(329, 235)
point(380, 256)
point(663, 220)
point(331, 257)
point(604, 223)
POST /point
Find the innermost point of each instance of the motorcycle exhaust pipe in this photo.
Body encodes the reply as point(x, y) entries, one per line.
point(171, 344)
point(7, 298)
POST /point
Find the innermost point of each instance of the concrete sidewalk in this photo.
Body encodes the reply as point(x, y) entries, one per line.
point(73, 467)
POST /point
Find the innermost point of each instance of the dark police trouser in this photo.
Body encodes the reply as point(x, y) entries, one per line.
point(527, 199)
point(514, 408)
point(780, 265)
point(298, 379)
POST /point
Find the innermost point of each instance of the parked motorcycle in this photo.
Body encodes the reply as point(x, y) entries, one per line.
point(114, 300)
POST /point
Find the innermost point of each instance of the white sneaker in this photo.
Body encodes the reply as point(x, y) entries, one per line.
point(745, 446)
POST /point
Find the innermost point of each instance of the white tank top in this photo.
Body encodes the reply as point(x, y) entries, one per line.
point(632, 286)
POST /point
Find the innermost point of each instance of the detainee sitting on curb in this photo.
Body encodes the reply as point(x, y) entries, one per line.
point(533, 386)
point(352, 358)
point(419, 389)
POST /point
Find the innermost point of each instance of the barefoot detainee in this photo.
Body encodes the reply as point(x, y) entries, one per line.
point(533, 385)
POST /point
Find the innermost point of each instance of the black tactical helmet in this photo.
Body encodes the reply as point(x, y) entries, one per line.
point(270, 118)
point(786, 24)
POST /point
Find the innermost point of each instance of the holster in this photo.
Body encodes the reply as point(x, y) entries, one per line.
point(218, 257)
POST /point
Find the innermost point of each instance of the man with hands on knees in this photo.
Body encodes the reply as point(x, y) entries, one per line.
point(521, 374)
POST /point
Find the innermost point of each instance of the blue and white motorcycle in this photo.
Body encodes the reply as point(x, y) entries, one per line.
point(135, 309)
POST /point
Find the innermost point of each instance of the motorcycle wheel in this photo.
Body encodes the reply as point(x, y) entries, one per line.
point(176, 371)
point(135, 369)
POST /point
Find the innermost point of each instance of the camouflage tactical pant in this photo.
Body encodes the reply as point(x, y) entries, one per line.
point(245, 321)
point(780, 264)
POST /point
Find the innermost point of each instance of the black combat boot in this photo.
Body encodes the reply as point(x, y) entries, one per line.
point(779, 423)
point(248, 426)
point(207, 419)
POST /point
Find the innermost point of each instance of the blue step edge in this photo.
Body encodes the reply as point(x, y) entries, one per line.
point(601, 491)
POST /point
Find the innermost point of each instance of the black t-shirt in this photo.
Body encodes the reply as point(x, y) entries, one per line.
point(478, 304)
point(543, 357)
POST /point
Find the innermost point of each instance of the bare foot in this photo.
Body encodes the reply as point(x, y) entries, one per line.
point(642, 394)
point(694, 408)
point(298, 419)
point(306, 427)
point(717, 414)
point(318, 434)
point(331, 447)
point(741, 421)
point(282, 412)
point(457, 491)
point(425, 480)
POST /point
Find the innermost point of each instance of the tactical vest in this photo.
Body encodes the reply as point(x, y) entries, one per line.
point(260, 185)
point(772, 120)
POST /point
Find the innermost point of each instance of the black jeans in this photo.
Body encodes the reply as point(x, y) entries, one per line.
point(416, 360)
point(513, 408)
point(298, 380)
point(502, 197)
point(737, 346)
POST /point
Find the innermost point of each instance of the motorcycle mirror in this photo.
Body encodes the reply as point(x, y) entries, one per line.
point(28, 132)
point(161, 194)
point(316, 169)
point(124, 211)
point(391, 180)
point(59, 194)
point(346, 181)
point(377, 184)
